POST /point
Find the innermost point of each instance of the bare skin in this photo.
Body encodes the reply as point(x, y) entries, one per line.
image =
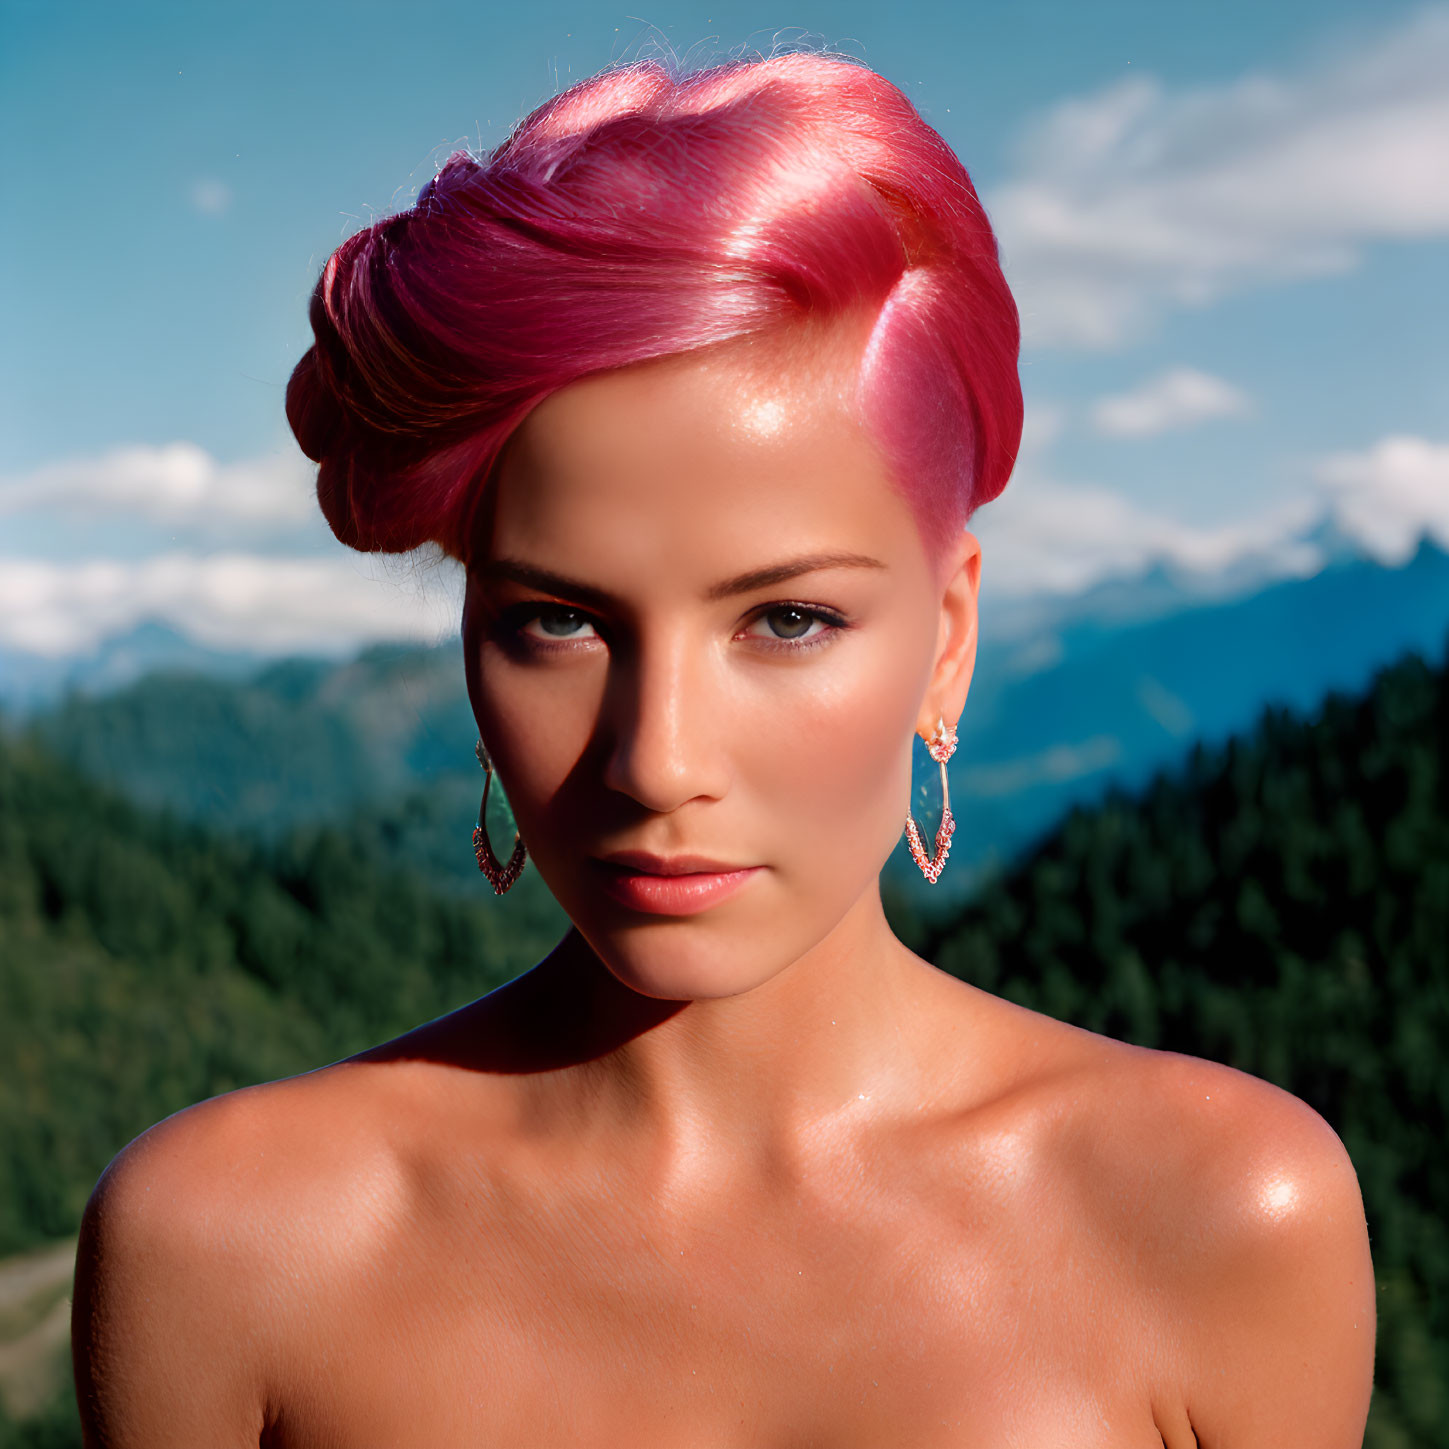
point(753, 1178)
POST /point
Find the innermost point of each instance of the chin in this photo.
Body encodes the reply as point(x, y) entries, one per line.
point(687, 960)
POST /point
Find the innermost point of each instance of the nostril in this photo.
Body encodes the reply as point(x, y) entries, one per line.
point(660, 779)
point(662, 768)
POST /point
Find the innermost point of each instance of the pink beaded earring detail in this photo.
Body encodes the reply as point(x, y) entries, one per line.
point(941, 746)
point(502, 876)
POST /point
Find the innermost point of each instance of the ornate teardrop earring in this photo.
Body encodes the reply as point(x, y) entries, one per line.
point(941, 746)
point(502, 876)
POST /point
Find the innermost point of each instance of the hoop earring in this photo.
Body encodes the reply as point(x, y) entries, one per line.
point(941, 746)
point(502, 876)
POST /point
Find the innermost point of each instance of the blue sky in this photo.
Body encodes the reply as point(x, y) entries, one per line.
point(1226, 226)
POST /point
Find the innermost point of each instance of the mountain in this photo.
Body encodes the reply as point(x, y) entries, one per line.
point(29, 682)
point(1093, 702)
point(296, 740)
point(1167, 586)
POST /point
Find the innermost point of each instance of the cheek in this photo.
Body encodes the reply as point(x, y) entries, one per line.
point(535, 720)
point(829, 756)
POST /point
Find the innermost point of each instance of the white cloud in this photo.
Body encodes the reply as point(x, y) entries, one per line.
point(178, 484)
point(1390, 496)
point(210, 197)
point(1041, 426)
point(1135, 199)
point(230, 601)
point(1045, 537)
point(1178, 398)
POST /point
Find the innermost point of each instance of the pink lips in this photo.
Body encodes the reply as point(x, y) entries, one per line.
point(680, 885)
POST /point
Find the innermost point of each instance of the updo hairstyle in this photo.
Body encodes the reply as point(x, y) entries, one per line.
point(642, 214)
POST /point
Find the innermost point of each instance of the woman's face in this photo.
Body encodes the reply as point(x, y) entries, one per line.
point(700, 622)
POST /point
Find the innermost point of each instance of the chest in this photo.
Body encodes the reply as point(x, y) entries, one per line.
point(746, 1331)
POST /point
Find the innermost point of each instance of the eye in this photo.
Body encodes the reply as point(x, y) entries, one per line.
point(789, 626)
point(555, 623)
point(561, 623)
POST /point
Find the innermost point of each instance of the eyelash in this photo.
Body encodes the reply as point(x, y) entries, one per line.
point(511, 621)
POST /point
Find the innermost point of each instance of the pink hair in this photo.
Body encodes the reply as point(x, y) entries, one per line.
point(644, 214)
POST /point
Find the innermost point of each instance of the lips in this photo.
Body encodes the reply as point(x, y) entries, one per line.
point(679, 885)
point(647, 861)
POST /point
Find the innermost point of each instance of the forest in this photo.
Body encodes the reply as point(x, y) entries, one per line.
point(1279, 903)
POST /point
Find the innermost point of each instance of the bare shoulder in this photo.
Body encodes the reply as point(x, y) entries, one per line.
point(1223, 1160)
point(1215, 1217)
point(1237, 1157)
point(268, 1170)
point(1232, 1207)
point(202, 1240)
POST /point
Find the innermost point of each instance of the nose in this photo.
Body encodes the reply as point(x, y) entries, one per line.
point(665, 711)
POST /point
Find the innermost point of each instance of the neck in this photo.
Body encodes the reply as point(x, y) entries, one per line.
point(846, 1034)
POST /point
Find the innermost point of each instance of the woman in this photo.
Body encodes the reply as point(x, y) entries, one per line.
point(702, 377)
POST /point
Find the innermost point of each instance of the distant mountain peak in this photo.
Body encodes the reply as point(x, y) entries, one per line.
point(30, 681)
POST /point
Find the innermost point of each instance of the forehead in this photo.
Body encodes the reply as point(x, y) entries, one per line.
point(703, 463)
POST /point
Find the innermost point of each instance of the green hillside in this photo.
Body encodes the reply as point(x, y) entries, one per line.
point(1281, 904)
point(300, 740)
point(146, 963)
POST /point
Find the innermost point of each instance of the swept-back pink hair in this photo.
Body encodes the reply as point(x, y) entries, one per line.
point(645, 213)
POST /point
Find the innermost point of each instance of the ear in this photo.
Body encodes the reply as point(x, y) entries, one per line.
point(945, 697)
point(472, 631)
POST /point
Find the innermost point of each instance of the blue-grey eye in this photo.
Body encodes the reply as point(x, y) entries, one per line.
point(797, 621)
point(560, 623)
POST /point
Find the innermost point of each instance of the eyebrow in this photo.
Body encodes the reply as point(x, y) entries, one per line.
point(531, 576)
